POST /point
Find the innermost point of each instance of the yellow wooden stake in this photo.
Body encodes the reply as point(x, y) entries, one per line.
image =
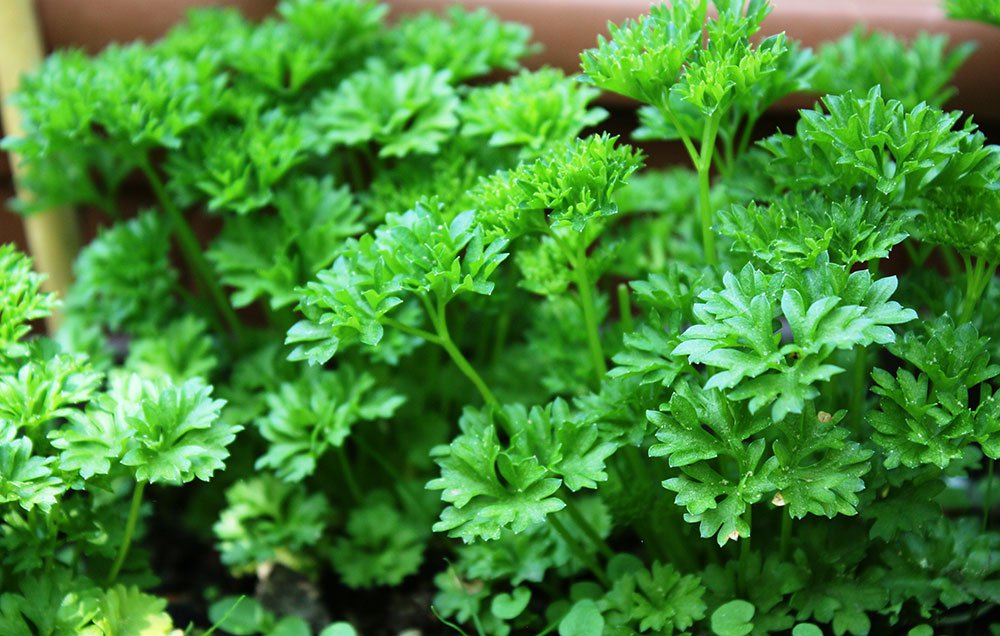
point(53, 235)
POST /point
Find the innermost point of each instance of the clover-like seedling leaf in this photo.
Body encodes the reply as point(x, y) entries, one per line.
point(734, 618)
point(583, 619)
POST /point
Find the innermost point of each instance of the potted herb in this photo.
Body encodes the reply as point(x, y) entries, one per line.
point(452, 358)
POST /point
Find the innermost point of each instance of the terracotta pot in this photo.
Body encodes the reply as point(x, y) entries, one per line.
point(566, 27)
point(91, 25)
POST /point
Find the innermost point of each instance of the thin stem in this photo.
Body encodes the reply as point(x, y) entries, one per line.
point(440, 320)
point(394, 474)
point(588, 529)
point(950, 257)
point(684, 137)
point(579, 552)
point(577, 257)
point(860, 388)
point(704, 166)
point(413, 331)
point(786, 533)
point(191, 249)
point(725, 158)
point(133, 518)
point(345, 467)
point(978, 274)
point(744, 562)
point(748, 127)
point(583, 287)
point(680, 551)
point(988, 495)
point(916, 256)
point(500, 337)
point(354, 170)
point(625, 308)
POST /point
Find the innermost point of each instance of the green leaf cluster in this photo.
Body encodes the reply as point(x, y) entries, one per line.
point(826, 307)
point(755, 395)
point(912, 72)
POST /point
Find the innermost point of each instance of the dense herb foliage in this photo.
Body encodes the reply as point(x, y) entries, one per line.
point(449, 337)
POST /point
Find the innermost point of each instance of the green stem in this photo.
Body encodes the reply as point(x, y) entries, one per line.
point(345, 467)
point(579, 552)
point(725, 157)
point(590, 321)
point(588, 529)
point(500, 337)
point(413, 331)
point(440, 320)
point(133, 518)
point(978, 274)
point(916, 257)
point(860, 388)
point(625, 308)
point(786, 533)
point(744, 562)
point(704, 166)
point(950, 257)
point(684, 137)
point(354, 170)
point(748, 127)
point(680, 552)
point(191, 249)
point(394, 474)
point(988, 496)
point(638, 464)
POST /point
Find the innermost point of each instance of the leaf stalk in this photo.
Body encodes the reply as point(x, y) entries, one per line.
point(133, 517)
